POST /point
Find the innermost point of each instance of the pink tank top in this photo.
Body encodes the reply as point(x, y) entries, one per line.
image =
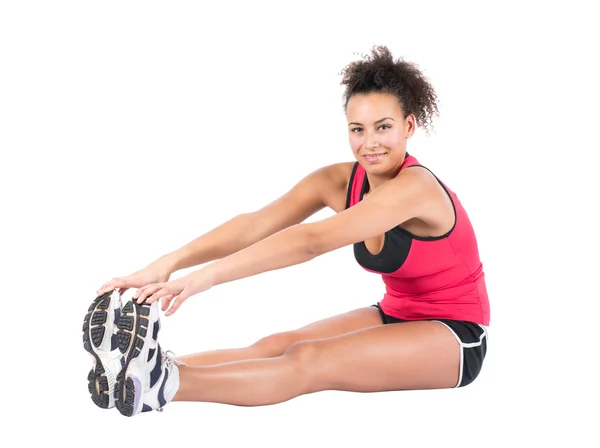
point(437, 277)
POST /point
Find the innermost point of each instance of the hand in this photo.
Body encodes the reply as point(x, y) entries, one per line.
point(158, 271)
point(182, 288)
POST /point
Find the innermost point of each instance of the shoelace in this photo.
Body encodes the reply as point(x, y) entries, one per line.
point(170, 359)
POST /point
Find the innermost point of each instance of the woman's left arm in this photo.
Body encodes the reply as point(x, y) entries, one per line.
point(404, 197)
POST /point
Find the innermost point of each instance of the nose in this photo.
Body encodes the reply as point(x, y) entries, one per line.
point(371, 142)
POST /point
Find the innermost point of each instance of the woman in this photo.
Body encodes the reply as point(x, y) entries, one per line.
point(428, 331)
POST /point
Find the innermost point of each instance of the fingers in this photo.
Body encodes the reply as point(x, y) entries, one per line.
point(166, 301)
point(143, 294)
point(152, 293)
point(178, 302)
point(165, 292)
point(109, 286)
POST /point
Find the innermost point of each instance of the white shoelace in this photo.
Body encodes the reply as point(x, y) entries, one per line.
point(170, 359)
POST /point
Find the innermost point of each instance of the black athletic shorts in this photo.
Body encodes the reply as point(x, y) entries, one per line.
point(472, 338)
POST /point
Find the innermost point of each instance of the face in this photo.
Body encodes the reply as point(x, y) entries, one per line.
point(378, 132)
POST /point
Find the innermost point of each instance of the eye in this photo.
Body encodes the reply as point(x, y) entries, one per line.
point(386, 126)
point(355, 130)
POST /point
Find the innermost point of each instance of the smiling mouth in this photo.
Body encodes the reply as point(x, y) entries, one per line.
point(373, 157)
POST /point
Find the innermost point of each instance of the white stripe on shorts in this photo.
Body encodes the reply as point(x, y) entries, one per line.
point(463, 346)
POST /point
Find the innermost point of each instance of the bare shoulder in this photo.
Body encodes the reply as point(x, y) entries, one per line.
point(337, 174)
point(328, 178)
point(323, 187)
point(437, 214)
point(333, 181)
point(421, 179)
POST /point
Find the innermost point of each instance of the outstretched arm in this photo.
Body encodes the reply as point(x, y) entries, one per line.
point(307, 197)
point(320, 188)
point(402, 198)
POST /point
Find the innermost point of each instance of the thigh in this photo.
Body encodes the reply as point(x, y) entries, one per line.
point(277, 344)
point(398, 356)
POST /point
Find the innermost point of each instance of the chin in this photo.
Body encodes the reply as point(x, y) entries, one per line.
point(387, 167)
point(382, 162)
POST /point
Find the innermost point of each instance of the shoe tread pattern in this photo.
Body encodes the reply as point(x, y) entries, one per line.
point(133, 328)
point(93, 333)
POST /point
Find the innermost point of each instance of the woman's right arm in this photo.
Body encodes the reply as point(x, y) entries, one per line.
point(323, 187)
point(314, 192)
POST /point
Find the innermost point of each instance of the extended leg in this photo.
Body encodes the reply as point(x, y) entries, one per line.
point(414, 355)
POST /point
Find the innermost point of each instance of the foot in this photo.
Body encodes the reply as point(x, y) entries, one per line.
point(150, 377)
point(100, 341)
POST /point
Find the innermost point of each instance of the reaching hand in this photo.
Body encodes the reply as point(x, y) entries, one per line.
point(182, 288)
point(158, 271)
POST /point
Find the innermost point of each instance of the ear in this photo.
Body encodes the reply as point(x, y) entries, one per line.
point(410, 125)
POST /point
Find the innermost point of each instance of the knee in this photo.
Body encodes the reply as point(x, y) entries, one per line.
point(273, 345)
point(304, 355)
point(308, 366)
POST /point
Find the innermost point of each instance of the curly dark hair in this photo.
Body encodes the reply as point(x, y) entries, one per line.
point(379, 72)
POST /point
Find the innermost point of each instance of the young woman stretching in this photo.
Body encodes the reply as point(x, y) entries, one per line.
point(427, 331)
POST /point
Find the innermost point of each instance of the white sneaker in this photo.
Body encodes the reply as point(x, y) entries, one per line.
point(157, 396)
point(100, 341)
point(150, 377)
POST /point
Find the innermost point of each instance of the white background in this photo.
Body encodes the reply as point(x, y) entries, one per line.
point(129, 128)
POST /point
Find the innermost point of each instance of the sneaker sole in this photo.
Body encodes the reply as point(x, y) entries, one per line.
point(132, 336)
point(98, 324)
